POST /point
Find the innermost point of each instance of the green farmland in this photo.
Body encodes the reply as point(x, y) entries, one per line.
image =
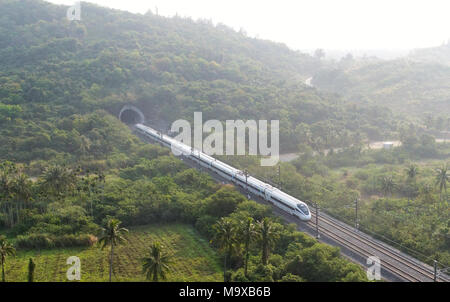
point(193, 259)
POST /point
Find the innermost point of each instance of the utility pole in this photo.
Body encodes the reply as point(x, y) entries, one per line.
point(435, 271)
point(317, 221)
point(279, 176)
point(246, 183)
point(356, 214)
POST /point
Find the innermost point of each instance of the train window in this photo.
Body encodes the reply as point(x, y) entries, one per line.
point(303, 208)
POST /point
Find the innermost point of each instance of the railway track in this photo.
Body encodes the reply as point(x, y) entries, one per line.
point(391, 259)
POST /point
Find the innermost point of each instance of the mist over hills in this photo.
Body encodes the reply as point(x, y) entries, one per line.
point(414, 85)
point(438, 55)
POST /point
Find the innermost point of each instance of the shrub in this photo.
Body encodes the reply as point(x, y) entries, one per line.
point(291, 278)
point(239, 276)
point(34, 241)
point(362, 175)
point(47, 241)
point(203, 225)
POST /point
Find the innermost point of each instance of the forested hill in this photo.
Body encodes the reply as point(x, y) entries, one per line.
point(44, 27)
point(417, 85)
point(52, 68)
point(68, 165)
point(440, 54)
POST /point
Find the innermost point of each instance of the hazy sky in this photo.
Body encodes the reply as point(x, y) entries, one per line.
point(329, 24)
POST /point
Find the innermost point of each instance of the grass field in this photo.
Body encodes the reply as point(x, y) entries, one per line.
point(193, 259)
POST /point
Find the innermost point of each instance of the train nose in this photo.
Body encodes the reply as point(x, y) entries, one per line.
point(306, 217)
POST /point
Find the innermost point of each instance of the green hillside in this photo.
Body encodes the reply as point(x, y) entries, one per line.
point(68, 165)
point(52, 68)
point(412, 87)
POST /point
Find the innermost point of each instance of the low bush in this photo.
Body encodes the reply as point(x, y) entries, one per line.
point(46, 241)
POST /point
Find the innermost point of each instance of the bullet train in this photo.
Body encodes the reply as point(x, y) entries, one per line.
point(273, 195)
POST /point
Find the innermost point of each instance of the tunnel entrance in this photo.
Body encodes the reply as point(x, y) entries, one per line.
point(131, 115)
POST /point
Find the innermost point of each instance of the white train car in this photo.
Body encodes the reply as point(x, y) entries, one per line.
point(275, 196)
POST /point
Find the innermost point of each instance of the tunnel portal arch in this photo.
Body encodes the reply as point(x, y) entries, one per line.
point(130, 114)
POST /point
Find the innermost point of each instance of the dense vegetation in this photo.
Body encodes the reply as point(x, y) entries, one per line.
point(403, 196)
point(68, 165)
point(66, 208)
point(76, 166)
point(169, 67)
point(400, 201)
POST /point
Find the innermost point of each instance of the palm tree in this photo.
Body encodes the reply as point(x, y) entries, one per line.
point(442, 178)
point(157, 263)
point(7, 171)
point(247, 232)
point(58, 179)
point(22, 190)
point(225, 237)
point(268, 236)
point(387, 185)
point(6, 249)
point(22, 186)
point(112, 236)
point(88, 185)
point(412, 172)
